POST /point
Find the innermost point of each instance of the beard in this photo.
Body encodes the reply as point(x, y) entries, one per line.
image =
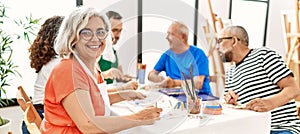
point(115, 40)
point(227, 57)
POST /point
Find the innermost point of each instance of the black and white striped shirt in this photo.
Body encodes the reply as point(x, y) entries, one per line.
point(256, 77)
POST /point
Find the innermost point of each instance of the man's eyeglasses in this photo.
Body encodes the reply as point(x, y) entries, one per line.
point(219, 40)
point(87, 34)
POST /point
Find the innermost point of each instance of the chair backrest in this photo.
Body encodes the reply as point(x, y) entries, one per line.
point(22, 98)
point(32, 119)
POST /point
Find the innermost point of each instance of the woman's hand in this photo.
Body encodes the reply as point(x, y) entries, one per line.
point(131, 95)
point(130, 85)
point(112, 73)
point(147, 116)
point(125, 78)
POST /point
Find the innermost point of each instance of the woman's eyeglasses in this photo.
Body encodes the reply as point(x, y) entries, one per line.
point(87, 34)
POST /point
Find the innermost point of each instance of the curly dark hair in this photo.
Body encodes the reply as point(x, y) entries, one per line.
point(41, 50)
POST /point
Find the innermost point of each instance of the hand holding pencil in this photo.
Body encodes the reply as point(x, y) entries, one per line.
point(231, 97)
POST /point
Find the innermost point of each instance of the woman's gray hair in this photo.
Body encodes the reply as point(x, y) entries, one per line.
point(70, 27)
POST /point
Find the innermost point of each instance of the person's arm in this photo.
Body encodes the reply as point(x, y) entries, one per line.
point(71, 104)
point(289, 88)
point(112, 73)
point(199, 81)
point(122, 77)
point(114, 98)
point(286, 82)
point(80, 109)
point(155, 77)
point(202, 67)
point(120, 68)
point(124, 95)
point(131, 85)
point(164, 82)
point(231, 97)
point(169, 82)
point(289, 91)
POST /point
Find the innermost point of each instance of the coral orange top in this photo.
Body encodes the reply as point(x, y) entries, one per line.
point(67, 76)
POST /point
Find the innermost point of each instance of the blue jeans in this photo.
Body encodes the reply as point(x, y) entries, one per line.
point(281, 132)
point(24, 128)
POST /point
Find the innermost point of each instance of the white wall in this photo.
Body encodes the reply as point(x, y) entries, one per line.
point(158, 17)
point(127, 43)
point(18, 9)
point(159, 14)
point(274, 37)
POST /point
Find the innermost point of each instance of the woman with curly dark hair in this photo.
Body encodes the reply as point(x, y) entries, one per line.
point(42, 59)
point(41, 50)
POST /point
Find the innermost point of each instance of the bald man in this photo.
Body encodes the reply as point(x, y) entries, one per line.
point(260, 79)
point(178, 58)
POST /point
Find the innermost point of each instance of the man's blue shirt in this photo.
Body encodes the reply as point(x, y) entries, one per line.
point(173, 63)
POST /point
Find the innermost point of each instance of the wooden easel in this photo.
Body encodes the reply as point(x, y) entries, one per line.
point(293, 44)
point(218, 68)
point(293, 41)
point(215, 19)
point(292, 38)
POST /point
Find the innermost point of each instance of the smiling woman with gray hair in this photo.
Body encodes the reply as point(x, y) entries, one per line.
point(76, 99)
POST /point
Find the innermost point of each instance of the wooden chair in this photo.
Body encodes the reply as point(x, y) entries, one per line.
point(22, 98)
point(32, 119)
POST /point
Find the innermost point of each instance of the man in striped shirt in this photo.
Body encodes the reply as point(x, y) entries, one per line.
point(260, 79)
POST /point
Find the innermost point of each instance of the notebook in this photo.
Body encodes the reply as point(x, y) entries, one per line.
point(178, 93)
point(172, 91)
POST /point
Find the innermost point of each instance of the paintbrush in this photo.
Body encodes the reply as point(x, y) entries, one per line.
point(192, 80)
point(187, 87)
